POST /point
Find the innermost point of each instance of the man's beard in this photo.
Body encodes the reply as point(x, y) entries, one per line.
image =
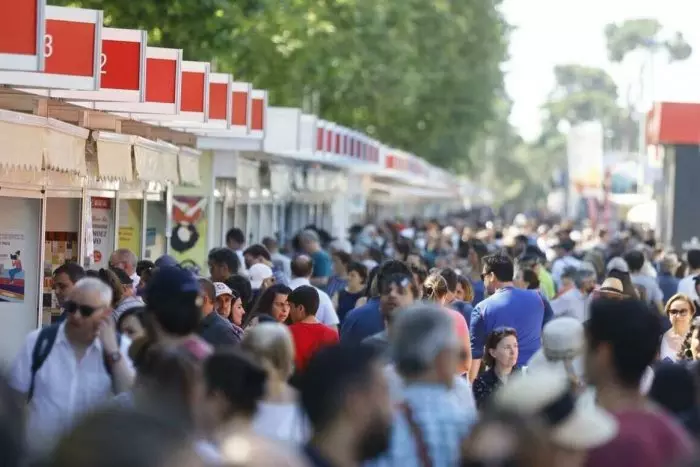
point(374, 441)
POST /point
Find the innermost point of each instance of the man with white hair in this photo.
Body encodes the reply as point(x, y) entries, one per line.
point(67, 369)
point(125, 259)
point(426, 352)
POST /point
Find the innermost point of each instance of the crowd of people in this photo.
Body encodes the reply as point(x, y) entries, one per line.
point(421, 344)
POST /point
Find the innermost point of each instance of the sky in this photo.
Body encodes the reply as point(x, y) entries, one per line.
point(553, 32)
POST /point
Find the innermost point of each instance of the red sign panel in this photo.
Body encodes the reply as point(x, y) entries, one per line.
point(319, 139)
point(218, 99)
point(69, 48)
point(18, 27)
point(121, 65)
point(240, 108)
point(161, 80)
point(257, 115)
point(329, 140)
point(192, 91)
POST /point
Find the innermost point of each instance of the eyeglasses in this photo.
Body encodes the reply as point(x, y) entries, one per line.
point(684, 312)
point(85, 310)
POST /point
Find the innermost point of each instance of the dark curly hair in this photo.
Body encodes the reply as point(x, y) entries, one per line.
point(685, 352)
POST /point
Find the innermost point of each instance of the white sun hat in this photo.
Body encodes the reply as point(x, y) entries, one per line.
point(547, 394)
point(562, 340)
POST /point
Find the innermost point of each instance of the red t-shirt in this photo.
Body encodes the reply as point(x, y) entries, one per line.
point(308, 338)
point(647, 438)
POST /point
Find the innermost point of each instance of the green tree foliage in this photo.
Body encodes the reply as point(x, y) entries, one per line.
point(643, 34)
point(415, 74)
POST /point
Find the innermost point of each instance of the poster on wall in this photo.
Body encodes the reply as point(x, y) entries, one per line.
point(102, 231)
point(189, 235)
point(130, 225)
point(12, 274)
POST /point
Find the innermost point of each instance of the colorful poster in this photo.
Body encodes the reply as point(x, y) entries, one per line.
point(102, 231)
point(130, 225)
point(12, 274)
point(188, 239)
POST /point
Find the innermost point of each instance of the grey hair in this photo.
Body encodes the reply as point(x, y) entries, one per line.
point(419, 333)
point(309, 235)
point(94, 285)
point(272, 343)
point(127, 256)
point(582, 275)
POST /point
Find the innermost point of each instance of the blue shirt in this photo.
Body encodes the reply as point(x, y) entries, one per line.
point(464, 308)
point(323, 265)
point(520, 309)
point(668, 285)
point(362, 322)
point(443, 423)
point(479, 291)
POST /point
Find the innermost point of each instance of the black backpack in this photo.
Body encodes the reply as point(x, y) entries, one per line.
point(42, 348)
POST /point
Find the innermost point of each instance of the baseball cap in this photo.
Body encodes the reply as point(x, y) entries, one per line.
point(258, 273)
point(171, 284)
point(222, 289)
point(165, 260)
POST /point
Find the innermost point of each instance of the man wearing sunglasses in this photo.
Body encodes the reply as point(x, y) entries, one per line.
point(67, 369)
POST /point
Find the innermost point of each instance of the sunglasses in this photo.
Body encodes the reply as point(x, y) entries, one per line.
point(483, 275)
point(683, 312)
point(85, 310)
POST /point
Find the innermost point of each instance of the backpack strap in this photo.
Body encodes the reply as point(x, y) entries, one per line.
point(42, 347)
point(417, 434)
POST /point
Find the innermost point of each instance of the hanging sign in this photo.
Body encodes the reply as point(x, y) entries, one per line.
point(162, 89)
point(122, 68)
point(21, 35)
point(258, 112)
point(240, 107)
point(220, 97)
point(72, 48)
point(102, 218)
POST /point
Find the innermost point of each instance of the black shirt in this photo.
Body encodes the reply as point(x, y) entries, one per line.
point(315, 458)
point(216, 331)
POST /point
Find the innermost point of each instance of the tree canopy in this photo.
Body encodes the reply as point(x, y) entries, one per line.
point(418, 75)
point(643, 34)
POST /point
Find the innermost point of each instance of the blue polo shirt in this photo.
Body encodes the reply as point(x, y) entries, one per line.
point(479, 291)
point(520, 309)
point(362, 322)
point(464, 308)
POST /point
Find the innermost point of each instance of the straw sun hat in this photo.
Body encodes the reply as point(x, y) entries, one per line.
point(547, 394)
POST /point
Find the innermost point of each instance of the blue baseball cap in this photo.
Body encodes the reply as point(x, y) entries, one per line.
point(171, 284)
point(166, 261)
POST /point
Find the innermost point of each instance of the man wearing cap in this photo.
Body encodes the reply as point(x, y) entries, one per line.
point(259, 254)
point(213, 328)
point(173, 302)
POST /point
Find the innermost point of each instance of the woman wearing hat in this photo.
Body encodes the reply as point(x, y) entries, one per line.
point(562, 348)
point(572, 428)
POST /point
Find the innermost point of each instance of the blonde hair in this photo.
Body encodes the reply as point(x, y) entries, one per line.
point(435, 287)
point(271, 344)
point(683, 297)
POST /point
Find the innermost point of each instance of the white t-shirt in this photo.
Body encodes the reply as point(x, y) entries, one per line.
point(283, 422)
point(686, 286)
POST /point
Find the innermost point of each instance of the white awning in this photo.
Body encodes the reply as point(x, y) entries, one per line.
point(188, 165)
point(65, 147)
point(22, 141)
point(113, 156)
point(155, 161)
